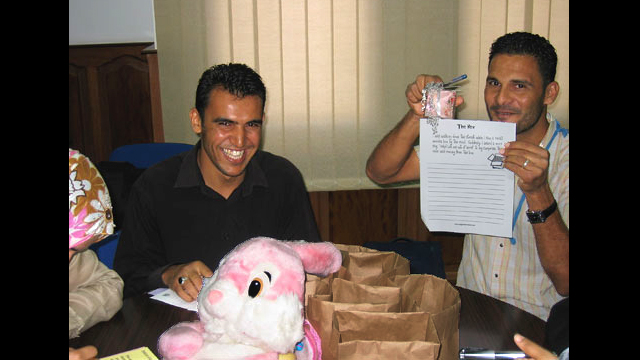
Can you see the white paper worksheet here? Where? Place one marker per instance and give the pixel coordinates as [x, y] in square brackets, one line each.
[170, 297]
[463, 185]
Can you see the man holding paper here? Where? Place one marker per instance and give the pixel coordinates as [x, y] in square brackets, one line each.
[531, 270]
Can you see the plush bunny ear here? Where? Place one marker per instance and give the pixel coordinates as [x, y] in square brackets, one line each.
[320, 258]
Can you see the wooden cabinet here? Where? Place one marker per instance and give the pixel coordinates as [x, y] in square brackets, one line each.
[114, 97]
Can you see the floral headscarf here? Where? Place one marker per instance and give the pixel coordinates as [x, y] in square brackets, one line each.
[90, 210]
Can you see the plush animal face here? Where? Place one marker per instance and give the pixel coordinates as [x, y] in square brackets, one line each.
[256, 295]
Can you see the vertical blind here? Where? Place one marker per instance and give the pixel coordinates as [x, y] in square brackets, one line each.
[336, 71]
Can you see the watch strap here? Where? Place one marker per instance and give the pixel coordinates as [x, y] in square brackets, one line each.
[537, 217]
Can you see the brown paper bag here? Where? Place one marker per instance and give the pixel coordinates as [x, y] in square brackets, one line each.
[439, 298]
[366, 335]
[344, 291]
[363, 274]
[368, 266]
[320, 311]
[315, 285]
[387, 350]
[361, 265]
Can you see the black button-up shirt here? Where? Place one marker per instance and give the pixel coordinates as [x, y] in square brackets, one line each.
[174, 218]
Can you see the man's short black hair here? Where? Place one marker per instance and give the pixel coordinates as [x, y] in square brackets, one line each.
[524, 43]
[238, 79]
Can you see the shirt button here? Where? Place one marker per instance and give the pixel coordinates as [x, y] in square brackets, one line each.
[501, 245]
[495, 275]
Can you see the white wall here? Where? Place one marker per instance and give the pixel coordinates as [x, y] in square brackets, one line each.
[111, 21]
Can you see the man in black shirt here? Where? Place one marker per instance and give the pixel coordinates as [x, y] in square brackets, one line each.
[187, 212]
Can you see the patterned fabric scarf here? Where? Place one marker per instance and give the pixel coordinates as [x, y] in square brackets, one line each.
[90, 210]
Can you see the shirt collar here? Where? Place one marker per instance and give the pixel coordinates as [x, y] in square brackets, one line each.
[550, 129]
[554, 126]
[189, 173]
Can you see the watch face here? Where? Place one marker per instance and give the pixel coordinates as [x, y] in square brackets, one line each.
[535, 217]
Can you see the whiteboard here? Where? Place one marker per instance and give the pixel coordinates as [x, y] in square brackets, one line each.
[111, 21]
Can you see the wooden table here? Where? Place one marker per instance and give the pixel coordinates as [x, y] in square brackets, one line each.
[489, 323]
[484, 322]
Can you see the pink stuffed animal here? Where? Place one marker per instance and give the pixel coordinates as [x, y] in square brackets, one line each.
[253, 305]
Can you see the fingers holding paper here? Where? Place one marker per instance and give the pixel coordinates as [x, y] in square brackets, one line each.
[529, 162]
[186, 279]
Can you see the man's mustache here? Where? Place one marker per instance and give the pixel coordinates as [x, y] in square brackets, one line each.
[498, 108]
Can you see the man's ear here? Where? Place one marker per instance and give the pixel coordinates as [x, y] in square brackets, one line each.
[196, 123]
[551, 93]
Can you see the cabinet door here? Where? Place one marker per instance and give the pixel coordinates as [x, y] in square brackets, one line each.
[109, 98]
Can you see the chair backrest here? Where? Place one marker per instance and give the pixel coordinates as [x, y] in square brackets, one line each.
[144, 155]
[141, 156]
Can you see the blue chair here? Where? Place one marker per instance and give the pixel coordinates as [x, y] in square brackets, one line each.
[106, 249]
[141, 156]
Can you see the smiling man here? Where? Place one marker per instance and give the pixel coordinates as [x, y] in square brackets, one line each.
[188, 211]
[531, 270]
[230, 135]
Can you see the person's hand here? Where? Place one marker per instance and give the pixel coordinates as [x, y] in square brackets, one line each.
[193, 271]
[533, 350]
[88, 352]
[529, 162]
[414, 93]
